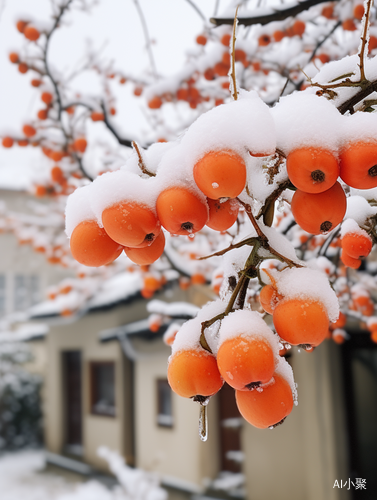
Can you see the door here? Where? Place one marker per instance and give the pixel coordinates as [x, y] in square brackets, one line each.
[72, 382]
[230, 430]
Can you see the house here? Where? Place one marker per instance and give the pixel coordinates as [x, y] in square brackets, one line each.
[105, 384]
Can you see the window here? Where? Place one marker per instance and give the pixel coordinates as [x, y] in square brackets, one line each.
[3, 303]
[26, 291]
[102, 376]
[164, 404]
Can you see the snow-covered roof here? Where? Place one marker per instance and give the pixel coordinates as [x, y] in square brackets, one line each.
[25, 332]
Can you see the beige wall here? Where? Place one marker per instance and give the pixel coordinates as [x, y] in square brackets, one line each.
[97, 430]
[301, 459]
[176, 453]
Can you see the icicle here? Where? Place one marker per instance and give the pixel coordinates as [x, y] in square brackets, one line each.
[203, 421]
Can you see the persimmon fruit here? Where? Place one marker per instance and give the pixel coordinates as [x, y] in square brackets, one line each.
[356, 245]
[147, 255]
[223, 215]
[220, 174]
[80, 144]
[181, 211]
[245, 360]
[7, 142]
[29, 130]
[319, 213]
[31, 33]
[13, 57]
[131, 224]
[301, 321]
[358, 164]
[269, 298]
[312, 170]
[194, 372]
[267, 407]
[92, 246]
[47, 97]
[358, 11]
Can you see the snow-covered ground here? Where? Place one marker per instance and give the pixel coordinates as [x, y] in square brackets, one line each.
[22, 477]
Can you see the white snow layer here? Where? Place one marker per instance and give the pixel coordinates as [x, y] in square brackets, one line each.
[307, 284]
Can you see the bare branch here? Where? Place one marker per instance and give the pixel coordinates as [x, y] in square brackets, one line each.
[277, 15]
[364, 43]
[147, 39]
[197, 10]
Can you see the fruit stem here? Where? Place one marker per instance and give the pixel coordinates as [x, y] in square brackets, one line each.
[233, 58]
[141, 163]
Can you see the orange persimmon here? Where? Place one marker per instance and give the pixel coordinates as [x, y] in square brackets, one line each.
[301, 321]
[80, 144]
[358, 11]
[201, 39]
[358, 164]
[7, 142]
[267, 407]
[29, 130]
[131, 224]
[222, 215]
[194, 372]
[319, 213]
[312, 170]
[357, 245]
[181, 211]
[245, 360]
[269, 298]
[91, 245]
[31, 33]
[147, 255]
[349, 261]
[220, 174]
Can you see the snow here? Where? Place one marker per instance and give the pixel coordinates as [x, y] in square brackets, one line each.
[188, 336]
[22, 477]
[358, 207]
[284, 369]
[174, 309]
[248, 324]
[78, 209]
[24, 332]
[350, 226]
[115, 187]
[307, 284]
[304, 120]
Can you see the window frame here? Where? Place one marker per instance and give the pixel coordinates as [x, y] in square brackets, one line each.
[159, 405]
[93, 382]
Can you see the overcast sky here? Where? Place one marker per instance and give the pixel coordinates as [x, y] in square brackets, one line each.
[112, 24]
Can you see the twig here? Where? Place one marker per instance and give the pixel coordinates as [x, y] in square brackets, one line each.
[141, 163]
[233, 57]
[63, 8]
[248, 241]
[147, 39]
[123, 142]
[325, 245]
[278, 15]
[366, 21]
[364, 92]
[321, 42]
[197, 10]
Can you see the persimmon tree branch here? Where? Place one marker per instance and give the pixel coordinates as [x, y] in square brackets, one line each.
[147, 39]
[276, 15]
[197, 10]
